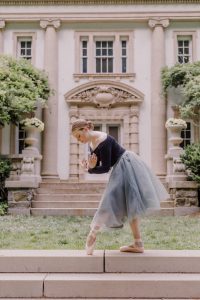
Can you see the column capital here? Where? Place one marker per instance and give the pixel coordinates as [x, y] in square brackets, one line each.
[50, 22]
[2, 24]
[158, 22]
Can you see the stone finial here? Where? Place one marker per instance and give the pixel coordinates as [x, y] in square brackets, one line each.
[2, 24]
[50, 22]
[158, 22]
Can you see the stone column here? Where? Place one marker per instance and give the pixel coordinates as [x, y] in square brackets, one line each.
[50, 138]
[2, 26]
[158, 105]
[74, 147]
[134, 133]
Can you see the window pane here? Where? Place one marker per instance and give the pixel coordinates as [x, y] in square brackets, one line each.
[104, 44]
[124, 65]
[110, 52]
[186, 59]
[186, 50]
[124, 52]
[180, 50]
[98, 65]
[23, 52]
[110, 44]
[84, 52]
[22, 44]
[186, 43]
[104, 65]
[29, 44]
[84, 65]
[98, 52]
[98, 44]
[84, 44]
[114, 131]
[180, 43]
[28, 52]
[104, 52]
[123, 44]
[110, 65]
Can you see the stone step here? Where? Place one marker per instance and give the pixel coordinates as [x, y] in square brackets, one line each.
[65, 204]
[67, 197]
[63, 211]
[51, 261]
[108, 261]
[122, 285]
[89, 212]
[76, 204]
[70, 191]
[44, 285]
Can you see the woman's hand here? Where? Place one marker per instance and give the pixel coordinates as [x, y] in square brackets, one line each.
[92, 161]
[84, 164]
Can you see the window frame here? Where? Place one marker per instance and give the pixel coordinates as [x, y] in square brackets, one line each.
[25, 35]
[192, 35]
[116, 37]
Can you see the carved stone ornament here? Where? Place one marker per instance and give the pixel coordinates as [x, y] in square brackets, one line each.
[50, 22]
[104, 96]
[158, 22]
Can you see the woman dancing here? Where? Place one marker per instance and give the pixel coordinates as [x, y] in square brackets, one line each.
[132, 188]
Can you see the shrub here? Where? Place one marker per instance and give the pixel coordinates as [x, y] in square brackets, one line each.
[191, 159]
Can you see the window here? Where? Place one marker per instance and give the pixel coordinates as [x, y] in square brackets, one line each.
[24, 44]
[124, 56]
[21, 139]
[104, 56]
[84, 56]
[24, 48]
[184, 48]
[186, 136]
[111, 129]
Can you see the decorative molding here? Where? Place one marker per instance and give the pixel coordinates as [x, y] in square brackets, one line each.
[50, 22]
[93, 2]
[93, 76]
[104, 94]
[2, 24]
[158, 22]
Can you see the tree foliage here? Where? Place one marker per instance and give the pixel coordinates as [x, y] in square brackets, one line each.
[22, 87]
[186, 76]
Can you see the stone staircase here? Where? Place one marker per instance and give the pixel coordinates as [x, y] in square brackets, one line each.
[78, 199]
[67, 274]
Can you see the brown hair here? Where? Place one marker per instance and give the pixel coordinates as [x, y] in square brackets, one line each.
[81, 123]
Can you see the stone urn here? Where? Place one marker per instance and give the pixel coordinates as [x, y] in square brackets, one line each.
[174, 127]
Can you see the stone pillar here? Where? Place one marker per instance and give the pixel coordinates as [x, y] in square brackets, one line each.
[2, 26]
[134, 133]
[158, 105]
[50, 138]
[74, 147]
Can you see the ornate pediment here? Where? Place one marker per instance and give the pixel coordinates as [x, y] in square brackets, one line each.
[105, 94]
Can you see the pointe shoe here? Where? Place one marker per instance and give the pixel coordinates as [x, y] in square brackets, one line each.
[137, 247]
[90, 243]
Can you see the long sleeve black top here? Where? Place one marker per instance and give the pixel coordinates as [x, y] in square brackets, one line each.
[107, 152]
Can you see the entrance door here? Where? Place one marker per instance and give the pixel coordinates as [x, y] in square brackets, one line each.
[113, 130]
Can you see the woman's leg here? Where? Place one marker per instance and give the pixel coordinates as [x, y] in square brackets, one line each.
[137, 246]
[91, 240]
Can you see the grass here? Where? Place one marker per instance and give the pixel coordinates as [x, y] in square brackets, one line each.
[20, 232]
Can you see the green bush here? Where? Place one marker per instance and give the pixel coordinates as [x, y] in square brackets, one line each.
[22, 88]
[191, 159]
[5, 168]
[186, 76]
[3, 208]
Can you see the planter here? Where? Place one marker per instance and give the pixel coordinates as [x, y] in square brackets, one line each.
[175, 134]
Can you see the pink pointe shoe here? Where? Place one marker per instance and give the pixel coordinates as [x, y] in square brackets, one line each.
[137, 247]
[90, 242]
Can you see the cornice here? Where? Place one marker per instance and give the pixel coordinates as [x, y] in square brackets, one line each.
[92, 2]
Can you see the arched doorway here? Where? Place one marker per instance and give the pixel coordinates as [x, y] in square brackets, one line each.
[110, 105]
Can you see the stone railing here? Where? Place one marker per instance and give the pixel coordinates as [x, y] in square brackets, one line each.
[184, 193]
[24, 179]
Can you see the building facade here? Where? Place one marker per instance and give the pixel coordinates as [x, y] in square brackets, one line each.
[103, 59]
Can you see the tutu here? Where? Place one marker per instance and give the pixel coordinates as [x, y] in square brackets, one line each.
[131, 191]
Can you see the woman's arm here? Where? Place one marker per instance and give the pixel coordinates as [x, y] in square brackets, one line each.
[105, 158]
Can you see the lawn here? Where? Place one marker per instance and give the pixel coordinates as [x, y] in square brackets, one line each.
[20, 232]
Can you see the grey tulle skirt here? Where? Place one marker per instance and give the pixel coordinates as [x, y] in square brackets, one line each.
[131, 191]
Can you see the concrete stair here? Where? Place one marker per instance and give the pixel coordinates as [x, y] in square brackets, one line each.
[70, 274]
[78, 199]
